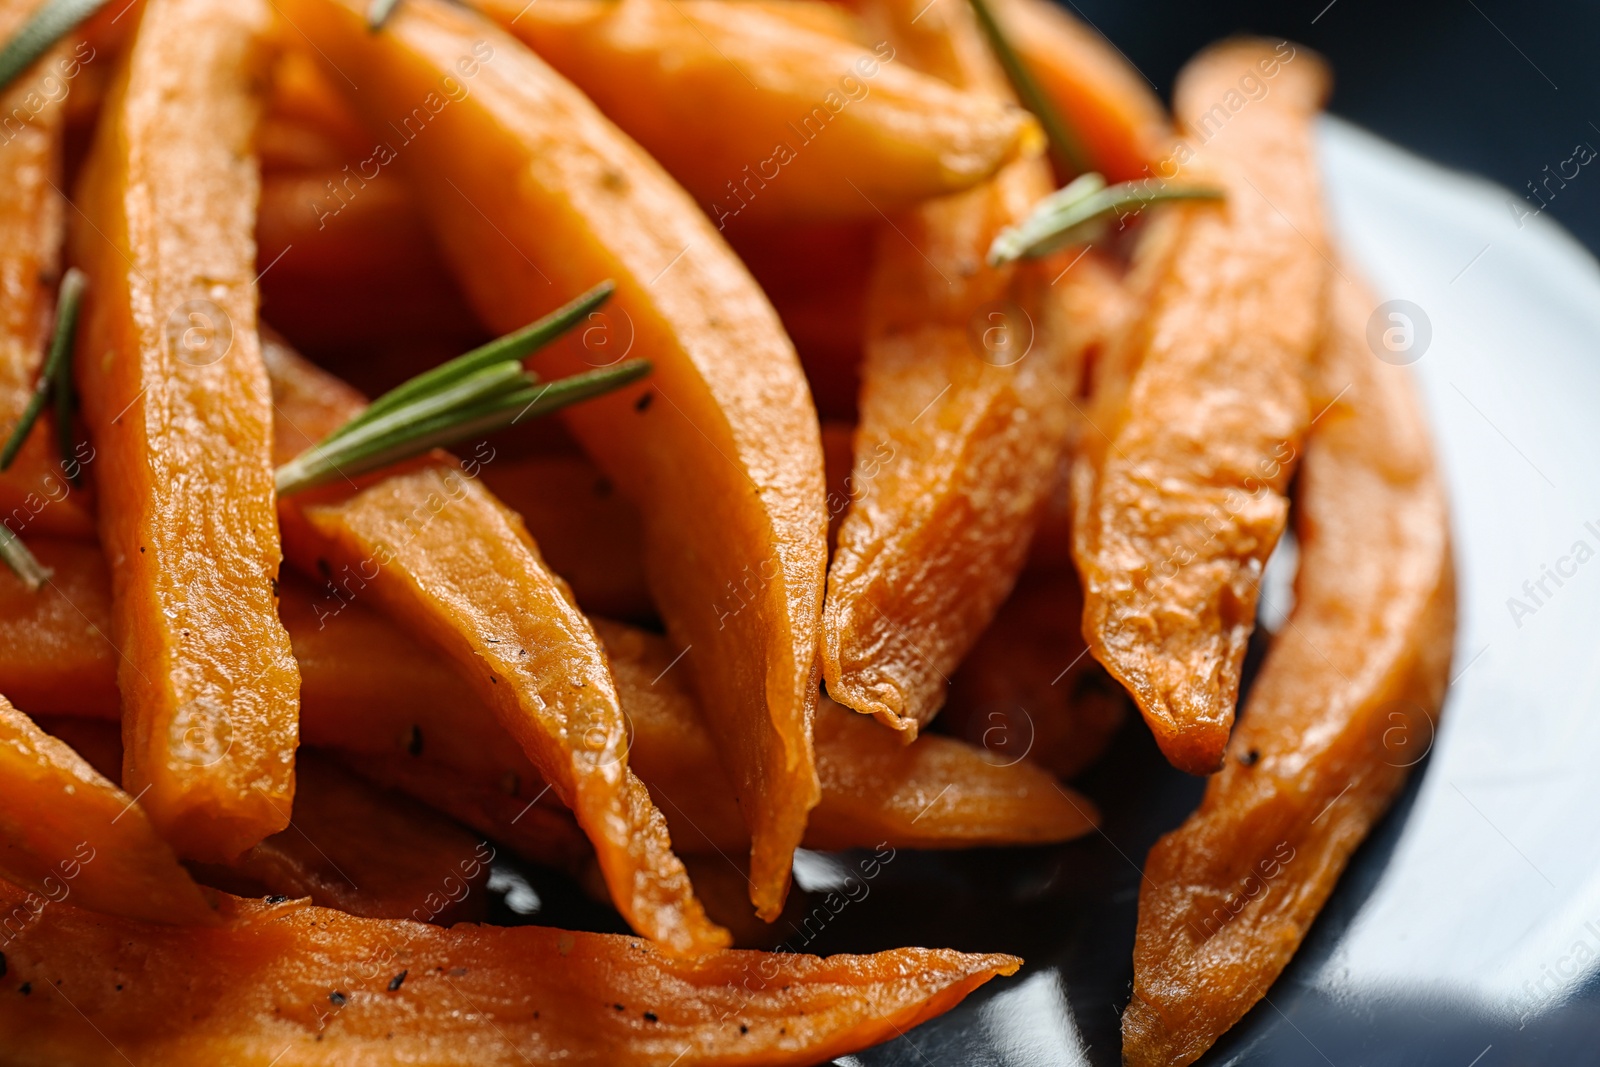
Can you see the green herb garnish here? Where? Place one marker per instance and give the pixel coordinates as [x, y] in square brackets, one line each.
[485, 390]
[56, 377]
[49, 24]
[1079, 213]
[378, 13]
[1068, 150]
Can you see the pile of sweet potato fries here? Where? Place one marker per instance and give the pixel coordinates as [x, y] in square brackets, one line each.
[874, 469]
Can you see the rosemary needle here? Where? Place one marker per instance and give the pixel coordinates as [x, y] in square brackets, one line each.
[1065, 145]
[513, 346]
[1080, 211]
[485, 390]
[57, 371]
[48, 25]
[55, 377]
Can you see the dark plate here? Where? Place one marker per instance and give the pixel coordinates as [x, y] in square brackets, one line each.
[1466, 932]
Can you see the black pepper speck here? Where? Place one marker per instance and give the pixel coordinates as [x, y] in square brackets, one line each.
[643, 403]
[25, 988]
[277, 899]
[650, 1017]
[338, 999]
[397, 981]
[1251, 758]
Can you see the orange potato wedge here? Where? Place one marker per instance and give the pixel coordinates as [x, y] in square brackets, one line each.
[56, 653]
[1103, 98]
[536, 197]
[963, 415]
[808, 126]
[529, 825]
[37, 496]
[1345, 704]
[68, 833]
[365, 851]
[351, 846]
[179, 413]
[293, 985]
[414, 724]
[938, 793]
[436, 550]
[1199, 410]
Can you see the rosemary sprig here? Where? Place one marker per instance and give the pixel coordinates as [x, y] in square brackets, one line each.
[48, 25]
[485, 390]
[378, 13]
[513, 346]
[56, 378]
[57, 374]
[1079, 213]
[1068, 150]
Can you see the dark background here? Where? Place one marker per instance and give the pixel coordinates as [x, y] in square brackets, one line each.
[1500, 87]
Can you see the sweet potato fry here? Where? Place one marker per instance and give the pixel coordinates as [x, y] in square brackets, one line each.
[1107, 103]
[352, 846]
[291, 984]
[56, 654]
[416, 725]
[441, 554]
[36, 496]
[809, 126]
[1344, 705]
[527, 824]
[366, 851]
[1199, 411]
[937, 793]
[67, 833]
[962, 421]
[535, 197]
[179, 412]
